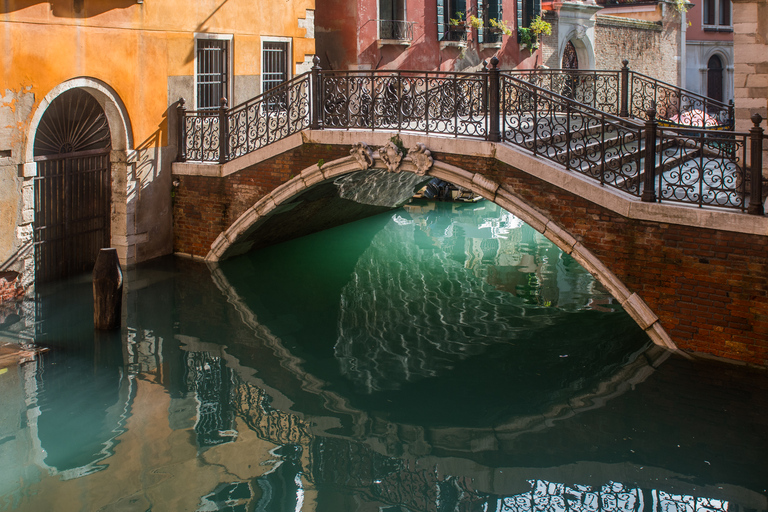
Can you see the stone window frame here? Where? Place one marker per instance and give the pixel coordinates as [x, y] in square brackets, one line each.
[230, 64]
[726, 57]
[381, 17]
[718, 25]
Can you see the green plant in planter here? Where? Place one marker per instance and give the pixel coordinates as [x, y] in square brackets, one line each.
[458, 20]
[501, 26]
[525, 38]
[475, 22]
[539, 26]
[529, 37]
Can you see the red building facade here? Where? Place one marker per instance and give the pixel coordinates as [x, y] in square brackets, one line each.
[435, 35]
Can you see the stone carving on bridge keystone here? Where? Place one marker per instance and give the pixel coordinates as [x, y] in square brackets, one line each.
[392, 156]
[421, 158]
[363, 154]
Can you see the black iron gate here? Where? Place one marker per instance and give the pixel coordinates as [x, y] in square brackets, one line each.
[72, 186]
[72, 205]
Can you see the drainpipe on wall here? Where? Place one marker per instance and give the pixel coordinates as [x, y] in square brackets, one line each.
[683, 48]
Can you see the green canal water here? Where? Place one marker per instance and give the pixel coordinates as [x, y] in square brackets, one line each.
[439, 357]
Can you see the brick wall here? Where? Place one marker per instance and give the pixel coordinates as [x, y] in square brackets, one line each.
[709, 288]
[203, 207]
[650, 47]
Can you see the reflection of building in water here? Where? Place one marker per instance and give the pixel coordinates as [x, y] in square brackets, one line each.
[209, 378]
[612, 497]
[507, 253]
[277, 463]
[435, 289]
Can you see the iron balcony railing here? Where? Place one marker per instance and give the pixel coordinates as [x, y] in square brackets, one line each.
[579, 120]
[398, 30]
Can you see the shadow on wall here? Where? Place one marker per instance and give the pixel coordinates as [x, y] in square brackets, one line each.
[148, 190]
[70, 8]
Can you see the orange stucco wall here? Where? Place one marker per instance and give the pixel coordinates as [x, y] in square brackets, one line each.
[134, 48]
[144, 52]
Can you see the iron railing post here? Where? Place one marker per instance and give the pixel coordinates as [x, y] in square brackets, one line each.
[494, 135]
[181, 119]
[756, 161]
[731, 118]
[314, 95]
[223, 132]
[649, 182]
[624, 97]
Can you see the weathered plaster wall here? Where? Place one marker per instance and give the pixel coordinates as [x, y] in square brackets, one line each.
[144, 54]
[348, 39]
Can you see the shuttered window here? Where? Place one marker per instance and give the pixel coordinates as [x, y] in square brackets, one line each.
[527, 10]
[447, 9]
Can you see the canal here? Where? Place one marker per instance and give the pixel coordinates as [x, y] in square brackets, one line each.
[439, 357]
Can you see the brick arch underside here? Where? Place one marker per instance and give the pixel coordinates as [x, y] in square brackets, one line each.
[492, 190]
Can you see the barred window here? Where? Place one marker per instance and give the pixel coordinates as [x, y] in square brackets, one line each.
[212, 76]
[274, 64]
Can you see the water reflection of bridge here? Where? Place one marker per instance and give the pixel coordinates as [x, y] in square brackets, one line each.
[310, 458]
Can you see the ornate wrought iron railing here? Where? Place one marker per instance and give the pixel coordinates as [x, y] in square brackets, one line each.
[580, 120]
[398, 30]
[220, 136]
[675, 105]
[598, 89]
[591, 142]
[427, 102]
[628, 93]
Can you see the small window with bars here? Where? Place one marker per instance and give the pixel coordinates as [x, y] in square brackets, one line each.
[212, 76]
[274, 71]
[274, 68]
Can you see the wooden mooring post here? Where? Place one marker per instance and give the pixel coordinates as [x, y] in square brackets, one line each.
[107, 290]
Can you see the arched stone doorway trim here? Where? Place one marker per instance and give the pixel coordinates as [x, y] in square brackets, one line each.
[585, 53]
[117, 116]
[280, 199]
[726, 59]
[122, 143]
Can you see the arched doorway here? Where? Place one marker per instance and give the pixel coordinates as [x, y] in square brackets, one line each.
[715, 78]
[72, 186]
[570, 59]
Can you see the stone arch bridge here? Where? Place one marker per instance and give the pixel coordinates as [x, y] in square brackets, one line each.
[694, 277]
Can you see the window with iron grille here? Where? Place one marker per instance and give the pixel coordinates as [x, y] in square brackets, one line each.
[392, 24]
[212, 76]
[488, 10]
[274, 64]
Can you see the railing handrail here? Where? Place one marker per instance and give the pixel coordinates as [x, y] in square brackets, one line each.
[214, 112]
[573, 103]
[401, 72]
[285, 85]
[692, 94]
